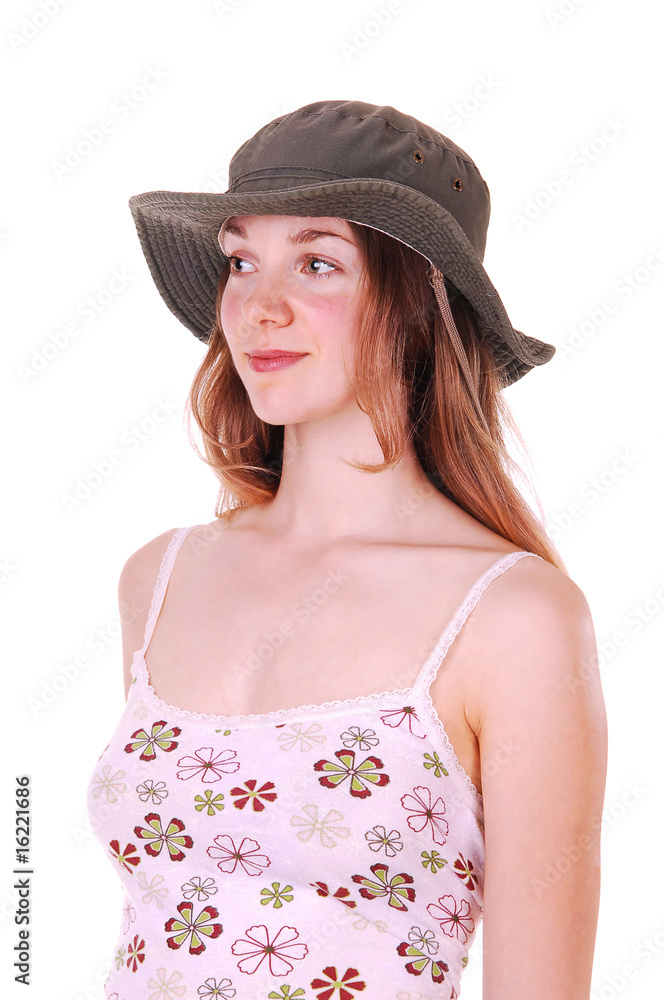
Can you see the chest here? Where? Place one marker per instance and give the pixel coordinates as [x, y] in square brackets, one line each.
[267, 634]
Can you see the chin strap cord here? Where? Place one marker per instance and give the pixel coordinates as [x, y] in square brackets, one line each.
[437, 281]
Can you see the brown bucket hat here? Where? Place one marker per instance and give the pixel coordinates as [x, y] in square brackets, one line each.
[345, 159]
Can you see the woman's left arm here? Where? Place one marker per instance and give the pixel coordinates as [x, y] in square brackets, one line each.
[541, 726]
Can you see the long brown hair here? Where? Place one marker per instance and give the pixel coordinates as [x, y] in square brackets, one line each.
[403, 346]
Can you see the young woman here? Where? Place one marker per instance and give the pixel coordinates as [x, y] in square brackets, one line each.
[369, 715]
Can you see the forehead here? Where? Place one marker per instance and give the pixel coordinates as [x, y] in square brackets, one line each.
[297, 229]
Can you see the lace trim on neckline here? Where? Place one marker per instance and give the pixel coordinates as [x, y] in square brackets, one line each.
[284, 716]
[275, 718]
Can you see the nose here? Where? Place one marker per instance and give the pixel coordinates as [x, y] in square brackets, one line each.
[266, 302]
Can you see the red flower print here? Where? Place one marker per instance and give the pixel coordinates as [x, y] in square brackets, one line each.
[343, 984]
[124, 857]
[396, 716]
[397, 888]
[466, 871]
[453, 917]
[147, 743]
[197, 927]
[135, 953]
[173, 837]
[421, 945]
[230, 856]
[207, 766]
[419, 962]
[280, 952]
[323, 890]
[361, 775]
[250, 793]
[425, 813]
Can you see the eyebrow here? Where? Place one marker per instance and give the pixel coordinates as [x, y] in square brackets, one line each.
[302, 236]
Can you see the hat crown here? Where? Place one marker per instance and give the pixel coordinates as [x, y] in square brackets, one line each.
[342, 140]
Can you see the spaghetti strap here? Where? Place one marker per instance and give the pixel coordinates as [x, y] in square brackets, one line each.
[163, 577]
[432, 664]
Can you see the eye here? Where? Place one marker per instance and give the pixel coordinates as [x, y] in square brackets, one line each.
[312, 259]
[232, 260]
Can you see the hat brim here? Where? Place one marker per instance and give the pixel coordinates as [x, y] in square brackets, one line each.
[178, 233]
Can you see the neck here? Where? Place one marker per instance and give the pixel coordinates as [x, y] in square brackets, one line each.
[322, 499]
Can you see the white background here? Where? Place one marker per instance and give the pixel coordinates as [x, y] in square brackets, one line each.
[536, 82]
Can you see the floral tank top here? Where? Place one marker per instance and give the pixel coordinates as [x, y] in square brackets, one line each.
[325, 852]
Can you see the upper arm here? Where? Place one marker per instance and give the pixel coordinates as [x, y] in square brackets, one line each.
[135, 589]
[541, 727]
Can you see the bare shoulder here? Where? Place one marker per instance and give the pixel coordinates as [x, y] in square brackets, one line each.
[135, 589]
[535, 628]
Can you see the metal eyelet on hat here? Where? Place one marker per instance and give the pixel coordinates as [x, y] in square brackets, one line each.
[457, 184]
[418, 156]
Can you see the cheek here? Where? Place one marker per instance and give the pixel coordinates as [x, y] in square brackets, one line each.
[230, 315]
[336, 317]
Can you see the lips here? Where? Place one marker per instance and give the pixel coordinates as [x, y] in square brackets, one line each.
[275, 354]
[272, 361]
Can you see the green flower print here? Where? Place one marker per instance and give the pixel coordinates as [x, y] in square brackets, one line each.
[432, 762]
[361, 775]
[398, 888]
[186, 925]
[173, 836]
[120, 956]
[284, 993]
[159, 736]
[277, 895]
[433, 860]
[209, 801]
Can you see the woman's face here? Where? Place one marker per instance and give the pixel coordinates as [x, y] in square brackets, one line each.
[294, 286]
